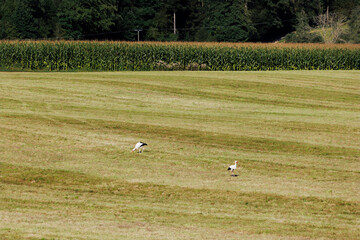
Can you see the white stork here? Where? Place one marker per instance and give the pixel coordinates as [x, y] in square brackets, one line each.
[139, 146]
[232, 168]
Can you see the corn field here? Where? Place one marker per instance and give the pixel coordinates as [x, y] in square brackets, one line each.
[119, 56]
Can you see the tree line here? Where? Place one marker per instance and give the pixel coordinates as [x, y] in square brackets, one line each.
[182, 20]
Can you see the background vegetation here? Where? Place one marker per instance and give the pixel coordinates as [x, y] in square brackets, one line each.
[67, 171]
[196, 20]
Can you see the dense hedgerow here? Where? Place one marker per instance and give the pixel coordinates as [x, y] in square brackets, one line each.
[118, 56]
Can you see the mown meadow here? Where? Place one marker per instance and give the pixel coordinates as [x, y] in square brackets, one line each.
[67, 170]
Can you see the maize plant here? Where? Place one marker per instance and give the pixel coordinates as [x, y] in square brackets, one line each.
[145, 56]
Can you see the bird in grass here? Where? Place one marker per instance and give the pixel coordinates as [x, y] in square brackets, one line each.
[139, 146]
[232, 168]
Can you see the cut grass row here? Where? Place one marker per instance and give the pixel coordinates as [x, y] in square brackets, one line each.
[215, 209]
[66, 170]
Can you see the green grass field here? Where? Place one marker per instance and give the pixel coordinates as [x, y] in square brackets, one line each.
[67, 170]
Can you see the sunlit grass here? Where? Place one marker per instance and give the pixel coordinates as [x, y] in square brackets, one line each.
[67, 171]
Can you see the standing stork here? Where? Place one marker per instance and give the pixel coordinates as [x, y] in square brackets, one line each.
[139, 146]
[232, 168]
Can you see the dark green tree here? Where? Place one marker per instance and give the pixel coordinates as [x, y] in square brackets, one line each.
[228, 21]
[23, 19]
[272, 19]
[44, 17]
[354, 35]
[196, 20]
[17, 21]
[138, 14]
[86, 18]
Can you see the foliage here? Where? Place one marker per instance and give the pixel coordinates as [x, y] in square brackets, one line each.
[303, 32]
[303, 37]
[28, 19]
[355, 25]
[85, 16]
[331, 27]
[196, 20]
[228, 21]
[17, 20]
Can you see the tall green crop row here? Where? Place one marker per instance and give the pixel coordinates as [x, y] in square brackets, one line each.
[118, 56]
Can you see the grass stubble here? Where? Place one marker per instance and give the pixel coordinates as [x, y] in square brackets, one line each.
[66, 170]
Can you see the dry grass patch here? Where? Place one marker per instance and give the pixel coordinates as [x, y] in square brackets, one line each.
[67, 171]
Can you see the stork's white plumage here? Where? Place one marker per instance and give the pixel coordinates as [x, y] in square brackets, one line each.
[232, 167]
[139, 146]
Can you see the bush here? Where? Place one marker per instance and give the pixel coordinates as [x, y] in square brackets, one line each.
[303, 37]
